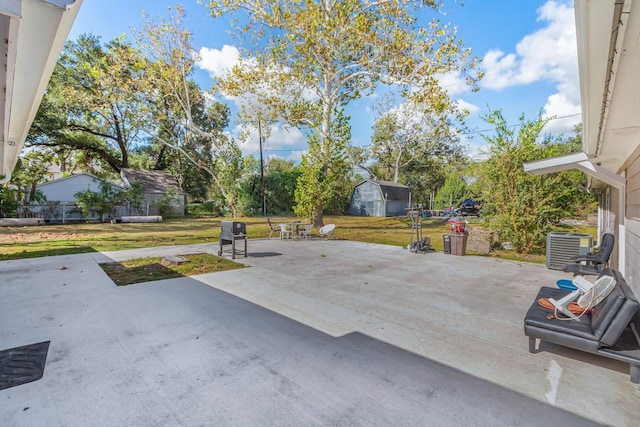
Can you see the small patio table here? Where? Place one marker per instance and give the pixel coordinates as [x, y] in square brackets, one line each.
[294, 227]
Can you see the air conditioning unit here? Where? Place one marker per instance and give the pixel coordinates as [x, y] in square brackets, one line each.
[561, 247]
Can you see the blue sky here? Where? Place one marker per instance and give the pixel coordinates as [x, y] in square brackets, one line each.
[528, 53]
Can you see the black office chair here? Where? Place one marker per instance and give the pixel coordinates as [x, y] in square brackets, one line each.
[592, 264]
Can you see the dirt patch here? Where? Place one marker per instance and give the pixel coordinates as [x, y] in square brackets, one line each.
[36, 237]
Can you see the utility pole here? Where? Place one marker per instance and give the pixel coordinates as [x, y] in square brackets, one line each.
[264, 197]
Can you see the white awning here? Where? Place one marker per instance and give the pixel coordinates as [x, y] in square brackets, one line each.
[34, 32]
[578, 161]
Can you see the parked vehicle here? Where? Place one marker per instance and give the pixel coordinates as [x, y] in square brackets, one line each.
[470, 207]
[448, 212]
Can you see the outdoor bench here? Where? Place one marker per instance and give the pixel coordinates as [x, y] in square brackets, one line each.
[610, 329]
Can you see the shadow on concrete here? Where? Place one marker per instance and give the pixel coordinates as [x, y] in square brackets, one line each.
[263, 254]
[182, 352]
[358, 380]
[258, 367]
[583, 356]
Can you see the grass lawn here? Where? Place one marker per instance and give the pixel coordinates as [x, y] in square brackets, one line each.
[47, 240]
[150, 269]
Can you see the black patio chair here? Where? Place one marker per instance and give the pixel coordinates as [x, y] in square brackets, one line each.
[592, 264]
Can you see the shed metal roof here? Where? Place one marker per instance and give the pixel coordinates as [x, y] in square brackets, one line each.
[152, 181]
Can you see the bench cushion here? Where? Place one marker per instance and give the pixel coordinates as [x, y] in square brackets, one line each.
[625, 312]
[604, 325]
[606, 311]
[537, 317]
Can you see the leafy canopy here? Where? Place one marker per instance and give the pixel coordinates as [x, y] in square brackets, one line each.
[525, 208]
[94, 102]
[314, 57]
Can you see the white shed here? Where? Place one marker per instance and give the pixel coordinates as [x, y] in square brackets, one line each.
[63, 189]
[380, 198]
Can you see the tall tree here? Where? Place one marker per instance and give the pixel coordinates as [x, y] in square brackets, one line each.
[193, 126]
[360, 157]
[405, 135]
[94, 101]
[256, 118]
[174, 147]
[323, 178]
[523, 208]
[338, 51]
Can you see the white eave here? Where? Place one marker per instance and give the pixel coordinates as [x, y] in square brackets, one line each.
[33, 34]
[609, 59]
[575, 161]
[607, 35]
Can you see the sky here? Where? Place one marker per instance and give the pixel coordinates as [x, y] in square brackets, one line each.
[527, 51]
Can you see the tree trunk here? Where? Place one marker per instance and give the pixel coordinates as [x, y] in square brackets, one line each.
[325, 135]
[396, 175]
[32, 192]
[317, 220]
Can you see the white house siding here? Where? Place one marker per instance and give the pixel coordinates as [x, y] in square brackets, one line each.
[63, 190]
[632, 265]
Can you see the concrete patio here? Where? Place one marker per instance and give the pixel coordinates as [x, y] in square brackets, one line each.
[311, 333]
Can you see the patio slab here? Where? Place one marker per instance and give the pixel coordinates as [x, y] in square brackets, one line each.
[311, 333]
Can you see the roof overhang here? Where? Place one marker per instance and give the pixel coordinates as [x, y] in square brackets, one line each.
[607, 34]
[33, 34]
[578, 161]
[608, 62]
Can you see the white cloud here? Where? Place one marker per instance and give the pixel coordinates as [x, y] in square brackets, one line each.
[559, 106]
[464, 105]
[453, 83]
[547, 54]
[218, 62]
[288, 144]
[500, 69]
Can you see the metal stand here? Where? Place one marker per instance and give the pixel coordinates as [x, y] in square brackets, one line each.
[230, 231]
[418, 243]
[416, 216]
[232, 242]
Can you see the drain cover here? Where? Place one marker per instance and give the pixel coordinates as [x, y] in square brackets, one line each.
[21, 365]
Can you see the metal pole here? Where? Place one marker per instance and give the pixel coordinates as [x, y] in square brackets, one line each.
[264, 197]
